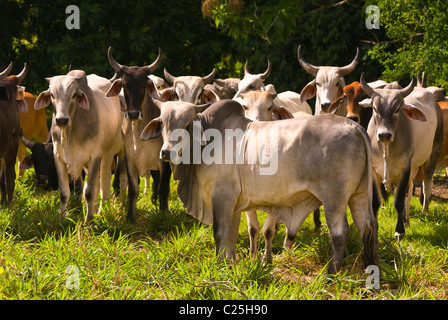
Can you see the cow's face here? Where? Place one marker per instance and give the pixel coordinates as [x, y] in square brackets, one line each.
[328, 82]
[252, 82]
[327, 87]
[175, 116]
[137, 88]
[352, 95]
[388, 107]
[189, 89]
[65, 95]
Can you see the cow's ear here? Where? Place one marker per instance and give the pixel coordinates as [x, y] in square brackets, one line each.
[335, 105]
[26, 162]
[169, 94]
[114, 89]
[23, 106]
[82, 100]
[152, 89]
[366, 103]
[281, 113]
[208, 96]
[43, 100]
[309, 91]
[413, 112]
[152, 130]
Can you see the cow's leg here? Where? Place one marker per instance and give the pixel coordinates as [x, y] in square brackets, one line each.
[120, 170]
[105, 177]
[268, 234]
[10, 177]
[164, 186]
[336, 216]
[225, 223]
[64, 184]
[317, 222]
[408, 199]
[399, 203]
[91, 188]
[253, 227]
[2, 182]
[133, 179]
[155, 174]
[366, 222]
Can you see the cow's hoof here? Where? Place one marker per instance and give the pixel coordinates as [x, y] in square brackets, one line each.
[399, 235]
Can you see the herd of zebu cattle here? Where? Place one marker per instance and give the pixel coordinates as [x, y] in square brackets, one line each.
[364, 141]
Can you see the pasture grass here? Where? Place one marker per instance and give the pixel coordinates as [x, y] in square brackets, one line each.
[170, 255]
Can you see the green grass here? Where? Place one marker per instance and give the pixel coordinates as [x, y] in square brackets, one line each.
[169, 255]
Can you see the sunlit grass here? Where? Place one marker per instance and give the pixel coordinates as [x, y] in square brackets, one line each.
[170, 255]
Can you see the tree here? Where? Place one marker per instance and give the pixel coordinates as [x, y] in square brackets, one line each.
[416, 40]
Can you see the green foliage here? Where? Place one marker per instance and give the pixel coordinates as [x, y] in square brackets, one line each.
[417, 34]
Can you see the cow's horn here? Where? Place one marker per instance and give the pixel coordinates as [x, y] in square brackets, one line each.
[343, 71]
[117, 67]
[209, 78]
[365, 87]
[170, 78]
[6, 71]
[246, 69]
[305, 65]
[25, 141]
[22, 74]
[153, 66]
[266, 74]
[406, 91]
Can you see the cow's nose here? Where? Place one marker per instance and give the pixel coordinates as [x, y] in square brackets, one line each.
[165, 154]
[384, 136]
[62, 122]
[354, 118]
[133, 115]
[325, 106]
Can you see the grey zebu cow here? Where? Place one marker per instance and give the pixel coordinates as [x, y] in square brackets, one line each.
[327, 83]
[189, 88]
[406, 130]
[259, 105]
[85, 132]
[307, 148]
[141, 157]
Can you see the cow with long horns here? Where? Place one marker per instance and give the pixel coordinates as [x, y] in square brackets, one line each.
[142, 157]
[327, 83]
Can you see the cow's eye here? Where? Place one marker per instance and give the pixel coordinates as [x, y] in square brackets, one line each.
[270, 108]
[52, 96]
[318, 84]
[244, 107]
[74, 96]
[398, 110]
[337, 84]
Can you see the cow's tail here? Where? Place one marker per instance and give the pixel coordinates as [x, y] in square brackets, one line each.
[370, 232]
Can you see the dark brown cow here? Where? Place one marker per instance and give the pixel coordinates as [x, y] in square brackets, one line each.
[11, 99]
[142, 157]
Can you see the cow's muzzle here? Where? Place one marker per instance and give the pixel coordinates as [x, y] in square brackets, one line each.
[62, 122]
[168, 155]
[385, 137]
[133, 115]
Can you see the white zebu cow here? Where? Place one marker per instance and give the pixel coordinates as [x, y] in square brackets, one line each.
[406, 130]
[189, 89]
[327, 83]
[218, 193]
[288, 99]
[86, 133]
